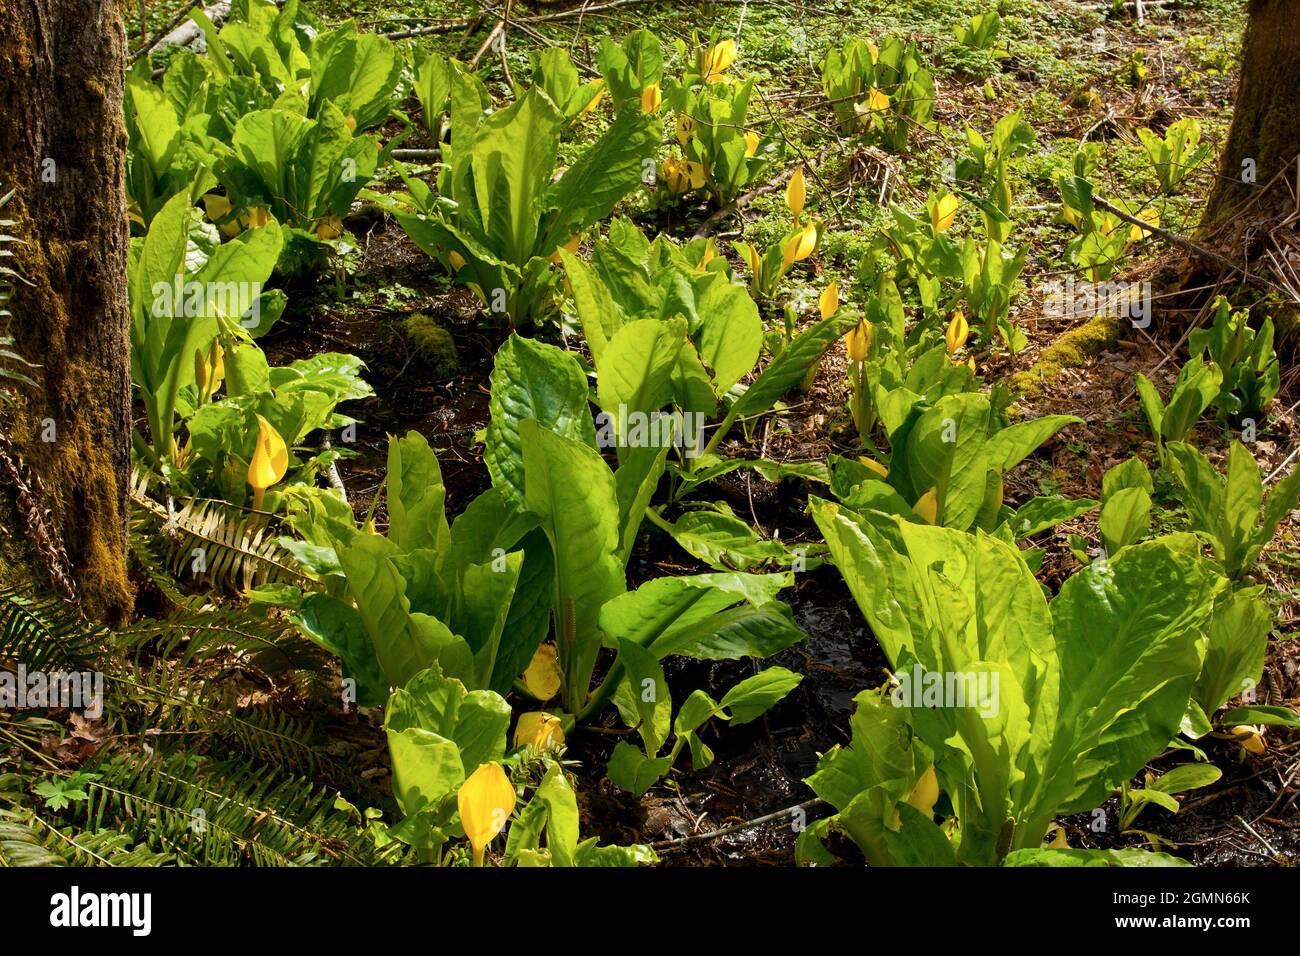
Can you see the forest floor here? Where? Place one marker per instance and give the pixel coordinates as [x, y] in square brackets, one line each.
[1079, 72]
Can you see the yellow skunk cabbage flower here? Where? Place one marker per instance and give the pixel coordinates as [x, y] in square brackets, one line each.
[874, 465]
[456, 259]
[751, 143]
[270, 460]
[539, 730]
[971, 363]
[755, 262]
[350, 122]
[257, 217]
[217, 361]
[927, 507]
[217, 365]
[570, 247]
[796, 194]
[829, 301]
[957, 334]
[651, 97]
[1152, 215]
[877, 102]
[716, 61]
[200, 372]
[209, 370]
[1058, 841]
[595, 100]
[1004, 192]
[709, 254]
[330, 227]
[485, 801]
[926, 792]
[1250, 739]
[800, 245]
[685, 127]
[682, 175]
[943, 212]
[543, 676]
[218, 207]
[858, 342]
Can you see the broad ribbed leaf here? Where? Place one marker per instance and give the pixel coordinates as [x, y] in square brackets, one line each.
[605, 173]
[572, 491]
[532, 380]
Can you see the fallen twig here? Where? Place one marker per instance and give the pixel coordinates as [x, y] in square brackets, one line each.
[741, 202]
[736, 828]
[162, 34]
[1202, 252]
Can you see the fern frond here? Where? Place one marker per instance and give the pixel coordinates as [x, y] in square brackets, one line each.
[218, 544]
[223, 813]
[244, 635]
[28, 839]
[150, 563]
[176, 710]
[46, 633]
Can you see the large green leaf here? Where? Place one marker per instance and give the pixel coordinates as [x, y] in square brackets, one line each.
[1125, 517]
[511, 160]
[730, 333]
[1072, 858]
[789, 367]
[948, 449]
[572, 491]
[636, 480]
[438, 733]
[643, 697]
[529, 620]
[1127, 635]
[724, 542]
[337, 627]
[532, 381]
[1196, 387]
[1237, 638]
[1011, 445]
[405, 642]
[697, 615]
[635, 370]
[416, 496]
[487, 595]
[605, 173]
[756, 695]
[599, 316]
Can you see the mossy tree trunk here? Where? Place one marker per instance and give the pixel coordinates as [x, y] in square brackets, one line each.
[1266, 117]
[62, 148]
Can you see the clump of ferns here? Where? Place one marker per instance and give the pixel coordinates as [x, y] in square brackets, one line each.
[179, 808]
[184, 747]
